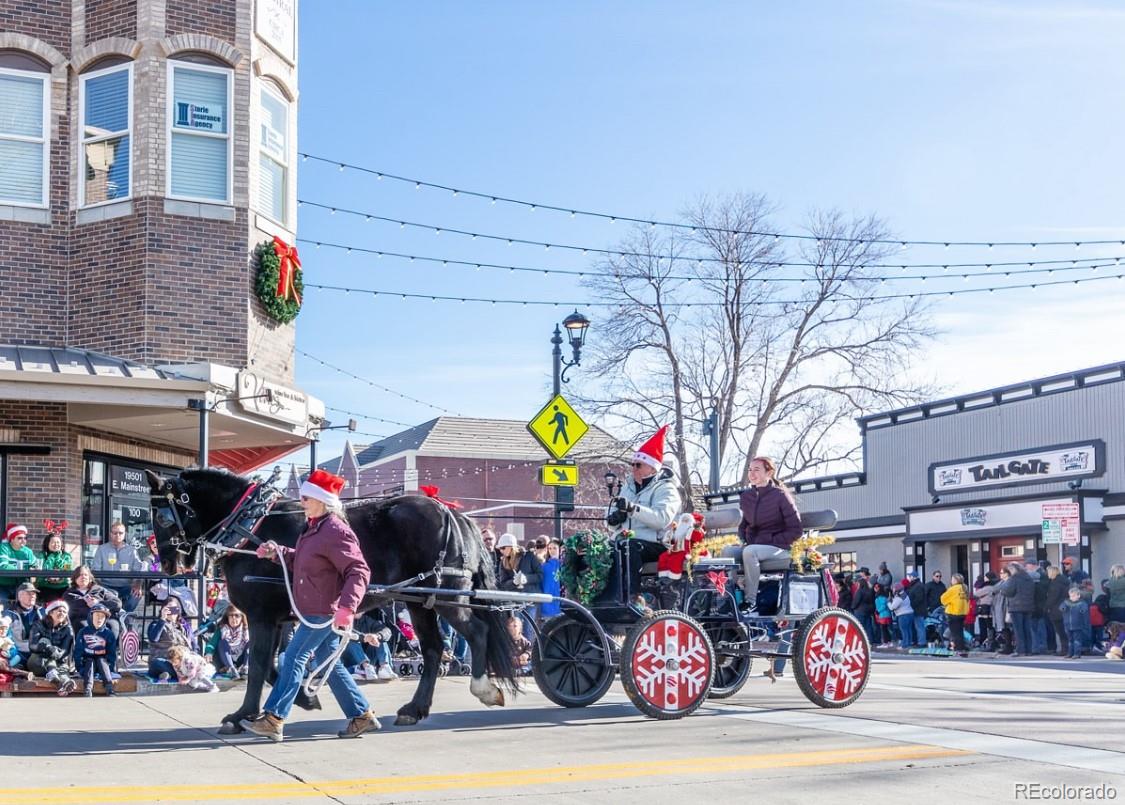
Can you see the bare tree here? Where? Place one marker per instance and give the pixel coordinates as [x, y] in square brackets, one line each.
[786, 354]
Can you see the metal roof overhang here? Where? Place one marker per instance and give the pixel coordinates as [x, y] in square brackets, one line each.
[155, 409]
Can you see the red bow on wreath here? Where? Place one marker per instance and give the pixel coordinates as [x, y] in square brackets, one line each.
[288, 266]
[718, 581]
[432, 492]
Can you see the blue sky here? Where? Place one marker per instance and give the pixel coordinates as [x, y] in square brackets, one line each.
[951, 120]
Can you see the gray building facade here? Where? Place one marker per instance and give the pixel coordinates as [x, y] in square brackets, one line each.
[1034, 470]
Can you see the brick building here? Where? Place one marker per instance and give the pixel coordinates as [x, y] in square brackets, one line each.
[146, 148]
[489, 466]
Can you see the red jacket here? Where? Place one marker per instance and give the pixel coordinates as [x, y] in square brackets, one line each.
[768, 517]
[327, 568]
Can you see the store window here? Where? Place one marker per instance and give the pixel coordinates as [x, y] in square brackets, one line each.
[199, 126]
[273, 155]
[115, 490]
[106, 111]
[843, 562]
[23, 136]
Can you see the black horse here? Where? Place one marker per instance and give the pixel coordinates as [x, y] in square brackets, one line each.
[400, 538]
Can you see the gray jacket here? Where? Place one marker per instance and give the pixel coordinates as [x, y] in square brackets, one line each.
[1020, 592]
[656, 506]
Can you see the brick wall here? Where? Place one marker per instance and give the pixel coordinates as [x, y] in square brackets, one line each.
[48, 20]
[214, 17]
[33, 268]
[106, 18]
[38, 486]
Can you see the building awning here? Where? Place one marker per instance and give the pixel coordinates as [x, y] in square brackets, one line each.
[160, 405]
[1019, 516]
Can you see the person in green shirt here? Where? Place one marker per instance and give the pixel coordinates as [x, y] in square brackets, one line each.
[54, 557]
[15, 555]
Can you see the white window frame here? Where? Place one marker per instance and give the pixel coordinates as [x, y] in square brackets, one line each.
[45, 78]
[83, 141]
[169, 129]
[265, 86]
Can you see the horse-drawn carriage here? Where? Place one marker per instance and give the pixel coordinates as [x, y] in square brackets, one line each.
[670, 661]
[430, 557]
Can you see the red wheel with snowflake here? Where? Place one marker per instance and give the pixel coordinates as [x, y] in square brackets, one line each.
[831, 658]
[667, 665]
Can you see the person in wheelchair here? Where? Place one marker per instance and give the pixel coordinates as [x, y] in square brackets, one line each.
[649, 502]
[769, 526]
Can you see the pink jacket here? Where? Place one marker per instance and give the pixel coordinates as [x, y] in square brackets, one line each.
[327, 568]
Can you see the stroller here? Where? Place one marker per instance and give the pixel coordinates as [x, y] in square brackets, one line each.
[937, 629]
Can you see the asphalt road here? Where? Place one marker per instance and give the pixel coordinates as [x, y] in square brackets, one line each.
[925, 730]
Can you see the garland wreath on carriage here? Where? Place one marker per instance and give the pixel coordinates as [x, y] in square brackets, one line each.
[277, 282]
[593, 549]
[804, 554]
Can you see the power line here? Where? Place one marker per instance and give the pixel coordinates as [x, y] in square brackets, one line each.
[572, 303]
[373, 384]
[369, 416]
[575, 211]
[1078, 264]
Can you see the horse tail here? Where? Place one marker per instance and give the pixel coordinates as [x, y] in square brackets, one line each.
[498, 647]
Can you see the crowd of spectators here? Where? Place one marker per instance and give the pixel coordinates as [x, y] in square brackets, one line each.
[1026, 609]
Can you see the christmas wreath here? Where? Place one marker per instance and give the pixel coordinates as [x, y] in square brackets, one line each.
[586, 564]
[278, 282]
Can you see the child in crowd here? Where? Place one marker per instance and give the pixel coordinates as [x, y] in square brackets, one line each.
[229, 646]
[192, 670]
[883, 617]
[95, 650]
[163, 636]
[1115, 645]
[52, 647]
[521, 646]
[1076, 621]
[9, 653]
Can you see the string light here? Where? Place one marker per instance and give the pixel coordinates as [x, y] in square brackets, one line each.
[698, 261]
[371, 383]
[857, 297]
[613, 218]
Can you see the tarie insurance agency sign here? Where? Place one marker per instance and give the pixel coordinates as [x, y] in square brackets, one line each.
[1060, 462]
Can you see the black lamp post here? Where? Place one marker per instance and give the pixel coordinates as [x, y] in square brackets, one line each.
[351, 426]
[576, 326]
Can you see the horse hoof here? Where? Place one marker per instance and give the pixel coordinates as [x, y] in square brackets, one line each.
[230, 729]
[404, 720]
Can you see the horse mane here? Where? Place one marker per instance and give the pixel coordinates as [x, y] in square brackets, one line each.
[213, 490]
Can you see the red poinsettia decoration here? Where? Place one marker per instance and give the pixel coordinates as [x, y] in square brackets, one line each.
[432, 492]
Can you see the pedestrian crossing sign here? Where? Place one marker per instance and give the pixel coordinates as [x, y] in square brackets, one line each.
[557, 427]
[558, 475]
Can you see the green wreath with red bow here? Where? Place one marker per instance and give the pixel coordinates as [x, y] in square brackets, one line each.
[278, 282]
[586, 564]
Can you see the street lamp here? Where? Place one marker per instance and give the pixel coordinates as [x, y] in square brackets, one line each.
[576, 326]
[351, 426]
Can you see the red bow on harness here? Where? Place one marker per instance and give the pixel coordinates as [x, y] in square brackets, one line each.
[719, 580]
[432, 492]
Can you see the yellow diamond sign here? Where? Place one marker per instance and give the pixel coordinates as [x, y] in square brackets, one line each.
[557, 427]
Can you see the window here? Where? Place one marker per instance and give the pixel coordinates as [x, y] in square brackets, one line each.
[273, 156]
[23, 138]
[199, 126]
[842, 562]
[106, 104]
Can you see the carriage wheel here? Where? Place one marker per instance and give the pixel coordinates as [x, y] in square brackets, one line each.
[831, 658]
[667, 665]
[732, 668]
[569, 663]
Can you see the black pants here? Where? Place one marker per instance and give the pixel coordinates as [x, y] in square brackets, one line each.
[99, 665]
[1060, 634]
[957, 631]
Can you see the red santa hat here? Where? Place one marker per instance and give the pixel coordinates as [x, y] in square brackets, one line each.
[323, 486]
[652, 451]
[14, 530]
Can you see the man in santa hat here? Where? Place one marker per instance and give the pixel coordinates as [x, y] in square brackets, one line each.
[650, 501]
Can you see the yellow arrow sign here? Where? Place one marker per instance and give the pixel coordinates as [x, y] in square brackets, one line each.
[557, 427]
[558, 475]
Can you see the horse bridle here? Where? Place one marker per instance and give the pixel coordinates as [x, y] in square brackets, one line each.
[170, 502]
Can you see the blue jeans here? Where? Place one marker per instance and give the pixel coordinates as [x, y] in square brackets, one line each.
[1038, 633]
[1077, 639]
[1021, 632]
[906, 630]
[308, 643]
[920, 629]
[453, 640]
[357, 653]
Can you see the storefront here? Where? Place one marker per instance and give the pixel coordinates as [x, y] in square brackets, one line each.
[1033, 471]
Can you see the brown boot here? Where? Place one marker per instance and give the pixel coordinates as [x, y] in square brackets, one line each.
[366, 722]
[268, 726]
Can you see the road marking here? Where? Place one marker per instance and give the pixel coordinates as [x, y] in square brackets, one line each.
[1023, 697]
[984, 743]
[521, 778]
